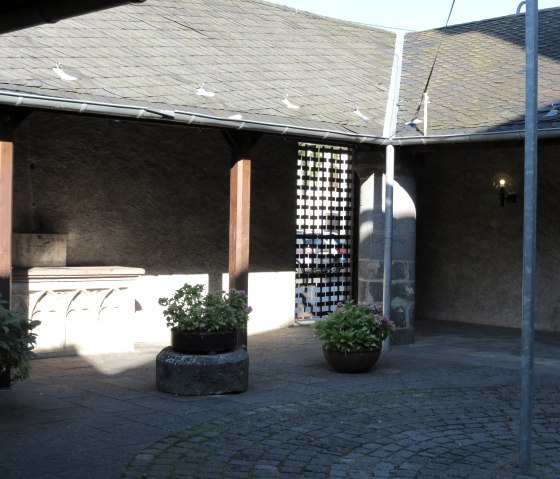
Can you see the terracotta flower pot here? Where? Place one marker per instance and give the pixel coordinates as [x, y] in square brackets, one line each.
[358, 361]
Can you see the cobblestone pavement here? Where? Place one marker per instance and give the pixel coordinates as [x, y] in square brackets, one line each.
[442, 433]
[444, 407]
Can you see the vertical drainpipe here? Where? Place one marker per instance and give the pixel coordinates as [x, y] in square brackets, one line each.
[389, 129]
[388, 252]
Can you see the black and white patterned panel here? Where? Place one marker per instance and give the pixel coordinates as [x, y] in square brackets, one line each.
[324, 230]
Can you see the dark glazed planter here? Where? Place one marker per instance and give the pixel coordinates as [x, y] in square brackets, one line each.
[5, 378]
[359, 361]
[189, 342]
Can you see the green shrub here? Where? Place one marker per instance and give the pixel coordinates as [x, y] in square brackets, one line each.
[354, 326]
[17, 340]
[189, 309]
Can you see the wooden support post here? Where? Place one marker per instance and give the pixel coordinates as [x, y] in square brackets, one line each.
[9, 119]
[6, 180]
[239, 224]
[240, 213]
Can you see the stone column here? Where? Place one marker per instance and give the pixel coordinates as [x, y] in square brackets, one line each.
[370, 167]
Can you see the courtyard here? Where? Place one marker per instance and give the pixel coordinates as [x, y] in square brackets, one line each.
[445, 406]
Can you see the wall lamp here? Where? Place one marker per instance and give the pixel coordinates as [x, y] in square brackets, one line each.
[505, 185]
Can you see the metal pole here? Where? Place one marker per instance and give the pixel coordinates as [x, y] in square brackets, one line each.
[388, 252]
[529, 233]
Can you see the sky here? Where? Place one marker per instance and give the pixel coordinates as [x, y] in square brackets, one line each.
[407, 15]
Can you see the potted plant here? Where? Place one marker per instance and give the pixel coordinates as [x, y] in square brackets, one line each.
[17, 340]
[352, 336]
[205, 323]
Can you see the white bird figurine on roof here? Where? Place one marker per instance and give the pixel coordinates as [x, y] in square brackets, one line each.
[413, 122]
[62, 74]
[360, 114]
[202, 92]
[289, 104]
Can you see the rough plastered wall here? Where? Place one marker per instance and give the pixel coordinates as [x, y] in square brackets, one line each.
[469, 248]
[157, 197]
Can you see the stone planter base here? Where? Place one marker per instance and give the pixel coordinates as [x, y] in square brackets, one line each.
[199, 375]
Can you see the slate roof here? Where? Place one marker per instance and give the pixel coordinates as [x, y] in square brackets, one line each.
[478, 83]
[249, 53]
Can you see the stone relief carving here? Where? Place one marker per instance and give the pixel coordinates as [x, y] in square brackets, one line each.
[83, 320]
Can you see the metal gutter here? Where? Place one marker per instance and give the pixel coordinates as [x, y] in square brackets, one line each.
[134, 112]
[278, 128]
[518, 135]
[28, 100]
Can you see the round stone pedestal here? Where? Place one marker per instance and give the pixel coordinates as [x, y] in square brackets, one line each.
[202, 374]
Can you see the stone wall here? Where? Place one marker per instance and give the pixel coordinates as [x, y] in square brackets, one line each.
[155, 197]
[370, 167]
[469, 248]
[457, 253]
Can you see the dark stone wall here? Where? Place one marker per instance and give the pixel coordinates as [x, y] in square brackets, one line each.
[150, 196]
[469, 248]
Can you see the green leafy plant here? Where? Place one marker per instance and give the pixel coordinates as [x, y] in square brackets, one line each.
[17, 340]
[354, 326]
[189, 309]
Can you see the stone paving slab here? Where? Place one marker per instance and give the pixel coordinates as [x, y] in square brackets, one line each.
[442, 433]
